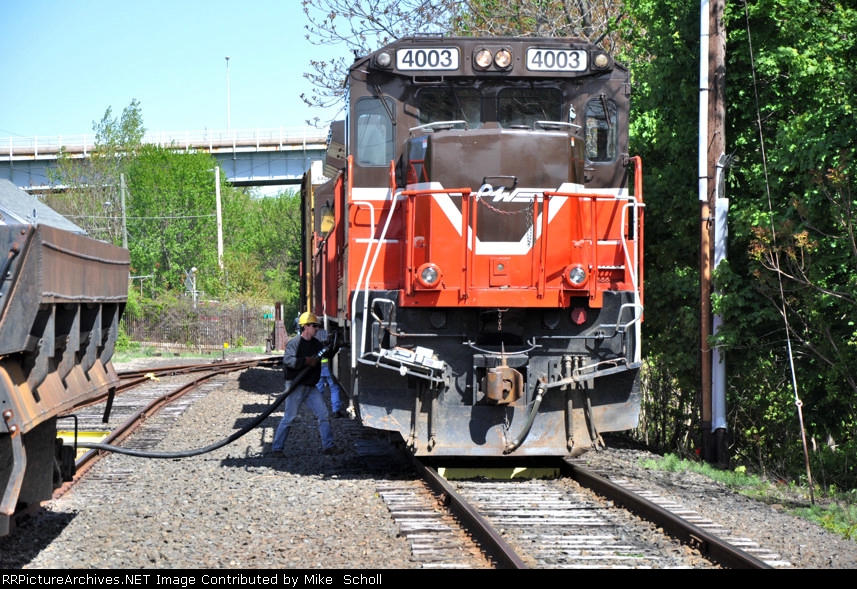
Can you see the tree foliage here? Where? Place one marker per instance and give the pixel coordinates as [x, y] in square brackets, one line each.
[789, 82]
[593, 20]
[171, 216]
[362, 26]
[262, 241]
[662, 40]
[793, 120]
[89, 188]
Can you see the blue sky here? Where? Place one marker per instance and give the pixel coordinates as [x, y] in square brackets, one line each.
[62, 64]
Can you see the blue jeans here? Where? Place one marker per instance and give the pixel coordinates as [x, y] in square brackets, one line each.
[294, 401]
[327, 379]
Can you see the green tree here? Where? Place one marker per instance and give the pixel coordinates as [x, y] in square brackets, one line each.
[662, 40]
[795, 223]
[90, 187]
[791, 222]
[262, 244]
[171, 218]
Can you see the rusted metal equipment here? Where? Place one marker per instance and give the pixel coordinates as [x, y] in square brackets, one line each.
[61, 297]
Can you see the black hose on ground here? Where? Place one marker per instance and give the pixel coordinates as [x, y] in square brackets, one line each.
[246, 429]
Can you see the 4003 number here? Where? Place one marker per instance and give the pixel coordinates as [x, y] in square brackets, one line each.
[436, 58]
[556, 60]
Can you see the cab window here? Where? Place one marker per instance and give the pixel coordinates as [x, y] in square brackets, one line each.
[450, 104]
[602, 134]
[374, 132]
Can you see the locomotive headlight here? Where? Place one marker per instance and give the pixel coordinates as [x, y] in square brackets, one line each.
[483, 58]
[575, 275]
[428, 275]
[601, 60]
[503, 59]
[384, 59]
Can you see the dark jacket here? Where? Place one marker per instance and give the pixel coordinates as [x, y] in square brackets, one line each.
[294, 359]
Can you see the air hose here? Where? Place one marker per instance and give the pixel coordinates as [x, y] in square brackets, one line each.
[246, 429]
[515, 444]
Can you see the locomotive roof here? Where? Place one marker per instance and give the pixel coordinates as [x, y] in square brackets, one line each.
[467, 45]
[491, 40]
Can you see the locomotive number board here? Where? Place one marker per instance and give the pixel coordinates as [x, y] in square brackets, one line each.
[431, 58]
[556, 60]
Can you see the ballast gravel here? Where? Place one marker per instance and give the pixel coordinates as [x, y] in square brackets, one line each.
[234, 508]
[239, 508]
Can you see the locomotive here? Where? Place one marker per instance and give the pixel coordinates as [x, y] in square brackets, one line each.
[478, 246]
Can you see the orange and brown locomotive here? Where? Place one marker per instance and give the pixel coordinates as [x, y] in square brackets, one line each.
[478, 247]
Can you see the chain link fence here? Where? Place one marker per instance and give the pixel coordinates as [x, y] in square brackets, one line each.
[200, 326]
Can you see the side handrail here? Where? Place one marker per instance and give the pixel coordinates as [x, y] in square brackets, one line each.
[358, 204]
[639, 209]
[378, 243]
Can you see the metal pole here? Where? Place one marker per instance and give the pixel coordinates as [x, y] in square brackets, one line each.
[704, 234]
[712, 53]
[228, 106]
[219, 217]
[124, 224]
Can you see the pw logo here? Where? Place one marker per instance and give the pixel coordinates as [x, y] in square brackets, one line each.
[487, 192]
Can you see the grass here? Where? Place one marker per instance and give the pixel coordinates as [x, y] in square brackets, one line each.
[834, 511]
[139, 352]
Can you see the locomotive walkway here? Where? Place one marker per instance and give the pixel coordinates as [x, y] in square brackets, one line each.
[249, 157]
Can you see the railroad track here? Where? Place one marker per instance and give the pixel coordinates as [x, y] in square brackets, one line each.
[168, 390]
[550, 524]
[516, 524]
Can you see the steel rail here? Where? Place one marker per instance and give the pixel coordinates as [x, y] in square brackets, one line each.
[188, 368]
[125, 429]
[709, 545]
[494, 546]
[134, 378]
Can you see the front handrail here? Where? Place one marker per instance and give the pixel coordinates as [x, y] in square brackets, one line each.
[410, 211]
[631, 213]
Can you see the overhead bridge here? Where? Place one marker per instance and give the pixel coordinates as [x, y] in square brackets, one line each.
[248, 157]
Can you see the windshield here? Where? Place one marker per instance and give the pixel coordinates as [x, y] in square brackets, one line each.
[523, 107]
[450, 104]
[510, 107]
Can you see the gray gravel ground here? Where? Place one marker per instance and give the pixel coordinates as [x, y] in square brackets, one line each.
[225, 509]
[804, 544]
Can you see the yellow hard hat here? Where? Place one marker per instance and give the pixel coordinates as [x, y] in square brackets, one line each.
[307, 318]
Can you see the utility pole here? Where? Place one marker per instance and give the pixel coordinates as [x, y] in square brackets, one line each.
[712, 144]
[124, 223]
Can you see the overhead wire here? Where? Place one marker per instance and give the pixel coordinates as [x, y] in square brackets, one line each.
[776, 256]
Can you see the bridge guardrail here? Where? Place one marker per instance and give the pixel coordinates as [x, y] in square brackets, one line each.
[49, 146]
